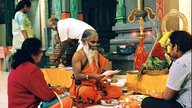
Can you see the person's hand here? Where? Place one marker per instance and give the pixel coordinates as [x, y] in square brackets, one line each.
[54, 59]
[158, 95]
[59, 90]
[57, 60]
[62, 90]
[98, 76]
[111, 72]
[106, 77]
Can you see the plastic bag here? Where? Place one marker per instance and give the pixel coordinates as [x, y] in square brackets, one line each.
[140, 55]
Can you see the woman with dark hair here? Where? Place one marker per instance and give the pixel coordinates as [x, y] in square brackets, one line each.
[177, 93]
[21, 28]
[26, 84]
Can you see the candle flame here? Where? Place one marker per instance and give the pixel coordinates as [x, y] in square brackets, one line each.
[127, 100]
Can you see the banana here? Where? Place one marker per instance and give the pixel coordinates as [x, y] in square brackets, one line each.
[163, 40]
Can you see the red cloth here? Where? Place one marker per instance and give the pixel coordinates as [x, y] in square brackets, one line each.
[88, 89]
[140, 55]
[158, 51]
[27, 87]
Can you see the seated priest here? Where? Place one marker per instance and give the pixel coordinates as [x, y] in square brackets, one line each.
[88, 65]
[177, 93]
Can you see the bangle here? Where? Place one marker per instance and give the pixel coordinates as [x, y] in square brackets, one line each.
[86, 77]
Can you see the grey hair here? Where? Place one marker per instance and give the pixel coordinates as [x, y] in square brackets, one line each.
[88, 33]
[52, 20]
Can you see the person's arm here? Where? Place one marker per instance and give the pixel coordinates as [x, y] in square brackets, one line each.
[62, 30]
[169, 93]
[38, 86]
[175, 80]
[22, 22]
[76, 64]
[25, 35]
[61, 52]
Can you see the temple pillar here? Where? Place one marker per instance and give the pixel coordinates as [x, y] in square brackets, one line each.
[121, 12]
[74, 9]
[9, 9]
[58, 9]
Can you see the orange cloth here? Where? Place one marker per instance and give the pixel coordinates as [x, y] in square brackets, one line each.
[67, 103]
[89, 90]
[148, 84]
[58, 76]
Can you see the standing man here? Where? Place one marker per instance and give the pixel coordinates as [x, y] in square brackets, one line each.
[177, 93]
[70, 31]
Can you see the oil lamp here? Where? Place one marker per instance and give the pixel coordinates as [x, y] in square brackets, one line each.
[139, 14]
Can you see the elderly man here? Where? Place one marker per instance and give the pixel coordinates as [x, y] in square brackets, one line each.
[88, 65]
[70, 31]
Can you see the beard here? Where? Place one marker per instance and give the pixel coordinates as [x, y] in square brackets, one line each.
[92, 55]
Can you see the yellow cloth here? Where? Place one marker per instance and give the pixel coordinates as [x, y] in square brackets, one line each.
[148, 84]
[58, 77]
